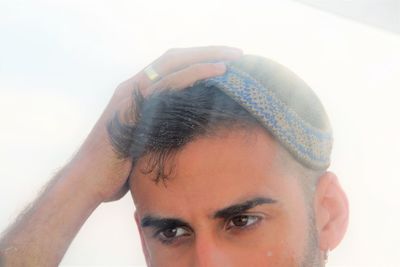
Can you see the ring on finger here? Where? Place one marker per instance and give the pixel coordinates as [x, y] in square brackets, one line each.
[151, 73]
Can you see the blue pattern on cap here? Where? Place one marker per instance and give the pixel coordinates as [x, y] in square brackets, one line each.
[310, 145]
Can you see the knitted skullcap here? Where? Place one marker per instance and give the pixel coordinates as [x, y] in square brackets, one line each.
[283, 103]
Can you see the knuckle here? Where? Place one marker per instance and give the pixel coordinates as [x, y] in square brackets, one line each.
[121, 89]
[125, 88]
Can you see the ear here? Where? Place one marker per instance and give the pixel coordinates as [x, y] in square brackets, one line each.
[143, 242]
[331, 211]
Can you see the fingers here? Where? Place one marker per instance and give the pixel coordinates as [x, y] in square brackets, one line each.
[178, 69]
[175, 60]
[187, 77]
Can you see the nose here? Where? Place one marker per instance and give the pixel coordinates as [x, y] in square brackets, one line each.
[209, 252]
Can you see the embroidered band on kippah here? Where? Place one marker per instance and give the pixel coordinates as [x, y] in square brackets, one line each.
[310, 145]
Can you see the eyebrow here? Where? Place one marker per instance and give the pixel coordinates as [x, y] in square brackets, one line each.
[225, 213]
[236, 209]
[158, 222]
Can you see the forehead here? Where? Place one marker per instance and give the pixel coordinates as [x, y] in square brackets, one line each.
[212, 172]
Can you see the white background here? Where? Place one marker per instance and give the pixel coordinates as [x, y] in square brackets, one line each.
[61, 60]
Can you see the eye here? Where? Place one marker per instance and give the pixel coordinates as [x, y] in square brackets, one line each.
[169, 235]
[242, 221]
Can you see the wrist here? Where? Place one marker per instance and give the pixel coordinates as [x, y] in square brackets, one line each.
[99, 173]
[76, 180]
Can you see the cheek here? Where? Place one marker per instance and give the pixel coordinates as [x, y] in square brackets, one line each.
[281, 243]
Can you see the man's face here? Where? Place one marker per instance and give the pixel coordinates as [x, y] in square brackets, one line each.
[229, 202]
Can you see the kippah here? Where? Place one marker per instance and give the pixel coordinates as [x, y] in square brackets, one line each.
[283, 104]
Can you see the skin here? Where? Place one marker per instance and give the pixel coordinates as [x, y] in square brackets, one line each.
[194, 218]
[42, 233]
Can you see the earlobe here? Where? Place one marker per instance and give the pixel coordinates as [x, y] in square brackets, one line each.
[331, 211]
[142, 240]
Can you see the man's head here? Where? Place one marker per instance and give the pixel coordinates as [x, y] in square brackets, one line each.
[218, 181]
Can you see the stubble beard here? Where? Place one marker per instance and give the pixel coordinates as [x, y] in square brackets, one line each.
[311, 254]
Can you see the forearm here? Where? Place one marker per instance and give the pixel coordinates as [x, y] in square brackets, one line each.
[43, 233]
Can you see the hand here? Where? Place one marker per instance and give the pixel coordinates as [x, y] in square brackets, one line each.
[105, 174]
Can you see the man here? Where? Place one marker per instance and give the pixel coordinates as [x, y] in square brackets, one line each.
[226, 162]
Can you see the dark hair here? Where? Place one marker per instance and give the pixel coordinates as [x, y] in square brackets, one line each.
[165, 121]
[160, 125]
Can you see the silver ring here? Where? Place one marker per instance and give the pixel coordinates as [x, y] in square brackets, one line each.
[151, 73]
